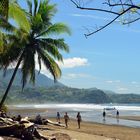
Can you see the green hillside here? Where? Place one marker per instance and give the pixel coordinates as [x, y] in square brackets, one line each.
[46, 91]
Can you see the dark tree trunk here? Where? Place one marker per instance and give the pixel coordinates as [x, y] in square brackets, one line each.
[11, 81]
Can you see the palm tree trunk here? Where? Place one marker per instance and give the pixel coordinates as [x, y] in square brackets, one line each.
[11, 81]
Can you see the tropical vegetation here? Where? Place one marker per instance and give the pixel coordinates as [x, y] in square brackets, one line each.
[22, 47]
[46, 91]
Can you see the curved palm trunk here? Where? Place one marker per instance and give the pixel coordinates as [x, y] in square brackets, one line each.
[11, 81]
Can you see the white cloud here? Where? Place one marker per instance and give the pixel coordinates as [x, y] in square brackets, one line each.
[73, 62]
[93, 17]
[121, 89]
[67, 63]
[90, 16]
[75, 76]
[109, 81]
[115, 81]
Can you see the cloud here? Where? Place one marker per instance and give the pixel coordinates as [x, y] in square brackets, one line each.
[67, 63]
[122, 89]
[93, 17]
[89, 16]
[75, 76]
[73, 62]
[110, 81]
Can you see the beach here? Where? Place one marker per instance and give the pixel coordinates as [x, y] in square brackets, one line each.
[90, 128]
[92, 131]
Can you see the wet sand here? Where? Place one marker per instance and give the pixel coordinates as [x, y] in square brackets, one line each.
[89, 130]
[93, 131]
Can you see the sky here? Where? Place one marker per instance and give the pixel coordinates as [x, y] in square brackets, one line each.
[107, 60]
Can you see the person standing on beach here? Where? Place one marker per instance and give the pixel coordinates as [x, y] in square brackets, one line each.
[104, 114]
[66, 118]
[79, 119]
[117, 114]
[58, 117]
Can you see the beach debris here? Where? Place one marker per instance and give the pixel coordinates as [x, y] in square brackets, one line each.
[24, 129]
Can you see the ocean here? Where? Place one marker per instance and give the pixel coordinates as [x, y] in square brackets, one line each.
[89, 112]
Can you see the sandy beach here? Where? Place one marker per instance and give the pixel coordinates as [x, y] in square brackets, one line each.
[92, 131]
[88, 130]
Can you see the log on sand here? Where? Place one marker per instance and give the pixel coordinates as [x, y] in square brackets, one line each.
[24, 130]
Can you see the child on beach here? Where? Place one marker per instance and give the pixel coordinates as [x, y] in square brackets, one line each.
[79, 119]
[66, 118]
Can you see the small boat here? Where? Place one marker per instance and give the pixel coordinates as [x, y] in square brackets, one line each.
[109, 108]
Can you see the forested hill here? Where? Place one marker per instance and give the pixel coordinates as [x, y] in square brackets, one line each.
[46, 91]
[41, 80]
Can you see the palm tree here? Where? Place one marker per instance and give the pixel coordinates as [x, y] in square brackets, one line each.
[22, 47]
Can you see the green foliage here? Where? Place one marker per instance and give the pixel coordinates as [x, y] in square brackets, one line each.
[46, 91]
[63, 94]
[15, 12]
[36, 42]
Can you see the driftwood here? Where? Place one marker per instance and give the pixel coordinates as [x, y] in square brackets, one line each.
[47, 121]
[24, 130]
[55, 123]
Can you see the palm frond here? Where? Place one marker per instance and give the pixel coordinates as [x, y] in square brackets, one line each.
[47, 11]
[37, 23]
[35, 7]
[29, 3]
[50, 64]
[19, 16]
[1, 42]
[9, 54]
[55, 29]
[5, 26]
[58, 43]
[28, 69]
[51, 49]
[39, 62]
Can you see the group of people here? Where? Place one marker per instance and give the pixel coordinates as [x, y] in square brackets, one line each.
[66, 118]
[104, 114]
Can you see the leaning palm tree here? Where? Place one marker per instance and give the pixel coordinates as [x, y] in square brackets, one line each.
[22, 47]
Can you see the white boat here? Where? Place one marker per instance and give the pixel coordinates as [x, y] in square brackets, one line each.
[109, 108]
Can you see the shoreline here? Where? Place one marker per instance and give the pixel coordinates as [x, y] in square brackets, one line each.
[89, 130]
[93, 131]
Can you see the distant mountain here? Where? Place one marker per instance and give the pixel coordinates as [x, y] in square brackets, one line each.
[41, 80]
[109, 92]
[46, 91]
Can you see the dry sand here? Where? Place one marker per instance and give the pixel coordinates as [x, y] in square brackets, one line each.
[89, 130]
[93, 131]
